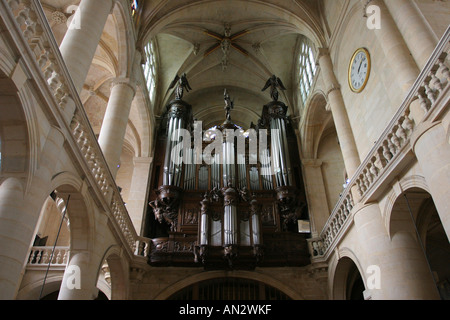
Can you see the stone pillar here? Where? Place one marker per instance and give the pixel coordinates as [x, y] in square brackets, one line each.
[115, 122]
[430, 144]
[395, 49]
[81, 40]
[137, 201]
[19, 215]
[79, 281]
[318, 204]
[13, 245]
[403, 270]
[418, 36]
[340, 116]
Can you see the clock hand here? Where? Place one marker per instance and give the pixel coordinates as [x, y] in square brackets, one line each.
[360, 64]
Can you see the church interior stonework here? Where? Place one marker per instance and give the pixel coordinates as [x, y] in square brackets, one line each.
[224, 150]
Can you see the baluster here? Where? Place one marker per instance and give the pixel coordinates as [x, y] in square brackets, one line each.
[401, 133]
[372, 168]
[391, 146]
[386, 153]
[58, 257]
[43, 257]
[436, 84]
[396, 142]
[380, 159]
[359, 187]
[365, 180]
[408, 123]
[31, 257]
[430, 93]
[66, 255]
[444, 70]
[368, 174]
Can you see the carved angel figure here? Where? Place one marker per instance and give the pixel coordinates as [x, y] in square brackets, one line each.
[180, 84]
[274, 83]
[229, 105]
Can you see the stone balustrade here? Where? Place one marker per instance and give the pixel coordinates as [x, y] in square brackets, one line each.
[40, 256]
[32, 24]
[378, 167]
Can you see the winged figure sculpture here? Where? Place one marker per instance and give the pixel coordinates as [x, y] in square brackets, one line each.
[180, 84]
[274, 83]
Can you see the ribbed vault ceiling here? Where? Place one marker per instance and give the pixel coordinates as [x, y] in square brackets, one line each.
[188, 35]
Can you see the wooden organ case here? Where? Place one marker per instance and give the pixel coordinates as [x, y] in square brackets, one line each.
[233, 213]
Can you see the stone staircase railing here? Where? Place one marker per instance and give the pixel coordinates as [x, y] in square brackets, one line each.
[27, 20]
[40, 256]
[383, 160]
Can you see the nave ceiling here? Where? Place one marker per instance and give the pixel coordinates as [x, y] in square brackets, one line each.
[265, 37]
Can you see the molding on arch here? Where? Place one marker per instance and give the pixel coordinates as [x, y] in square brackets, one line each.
[336, 262]
[398, 188]
[32, 290]
[264, 278]
[118, 268]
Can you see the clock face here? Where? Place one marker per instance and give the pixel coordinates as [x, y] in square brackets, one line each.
[359, 70]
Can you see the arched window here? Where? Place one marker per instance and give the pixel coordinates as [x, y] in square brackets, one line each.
[134, 7]
[150, 69]
[307, 69]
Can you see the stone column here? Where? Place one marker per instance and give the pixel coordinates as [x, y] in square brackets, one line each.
[430, 144]
[137, 201]
[19, 215]
[115, 122]
[396, 51]
[81, 40]
[403, 270]
[13, 246]
[418, 36]
[79, 281]
[340, 116]
[394, 48]
[318, 204]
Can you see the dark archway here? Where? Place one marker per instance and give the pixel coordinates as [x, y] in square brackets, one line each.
[229, 289]
[348, 282]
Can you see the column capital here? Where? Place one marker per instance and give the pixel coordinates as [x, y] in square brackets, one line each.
[124, 81]
[334, 87]
[142, 160]
[321, 52]
[313, 163]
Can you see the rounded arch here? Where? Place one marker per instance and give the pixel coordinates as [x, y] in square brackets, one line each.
[317, 118]
[414, 225]
[125, 40]
[347, 277]
[118, 276]
[265, 279]
[32, 291]
[408, 183]
[80, 209]
[16, 139]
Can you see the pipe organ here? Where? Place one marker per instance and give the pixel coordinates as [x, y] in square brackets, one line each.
[235, 200]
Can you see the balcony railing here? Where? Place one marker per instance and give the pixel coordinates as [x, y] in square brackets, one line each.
[40, 256]
[29, 25]
[390, 151]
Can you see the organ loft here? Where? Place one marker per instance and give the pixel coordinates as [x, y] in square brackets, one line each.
[189, 150]
[238, 212]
